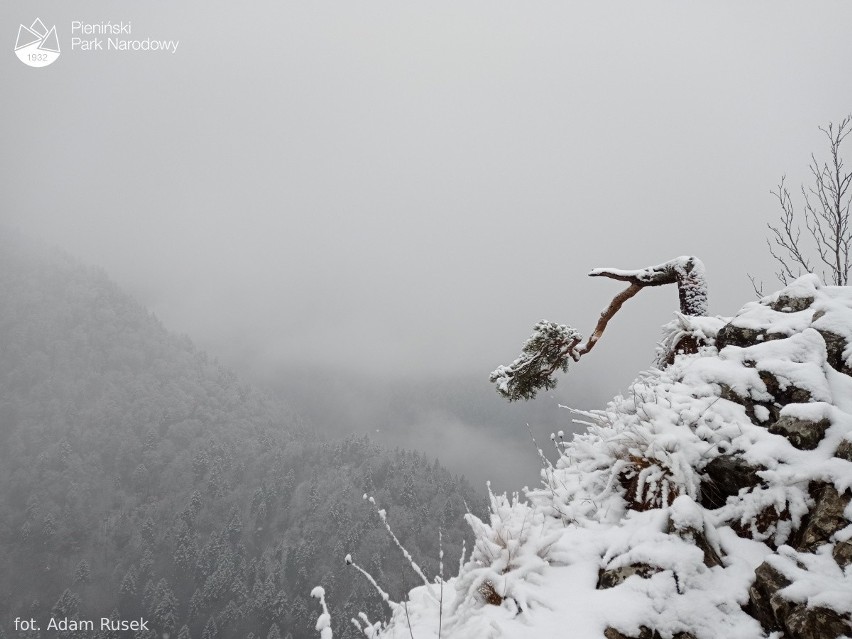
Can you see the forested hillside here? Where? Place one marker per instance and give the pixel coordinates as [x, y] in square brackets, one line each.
[138, 477]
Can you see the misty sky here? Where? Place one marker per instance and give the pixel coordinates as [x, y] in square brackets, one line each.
[379, 193]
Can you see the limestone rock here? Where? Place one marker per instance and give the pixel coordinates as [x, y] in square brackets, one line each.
[644, 633]
[815, 623]
[698, 537]
[834, 347]
[797, 621]
[733, 335]
[844, 450]
[825, 519]
[804, 434]
[784, 394]
[724, 476]
[615, 576]
[767, 606]
[842, 553]
[789, 304]
[774, 409]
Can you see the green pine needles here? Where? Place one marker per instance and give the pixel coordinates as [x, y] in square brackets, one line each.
[546, 351]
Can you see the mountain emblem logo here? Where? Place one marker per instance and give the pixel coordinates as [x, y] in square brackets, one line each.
[37, 46]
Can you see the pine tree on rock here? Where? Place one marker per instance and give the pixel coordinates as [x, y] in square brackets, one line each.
[551, 346]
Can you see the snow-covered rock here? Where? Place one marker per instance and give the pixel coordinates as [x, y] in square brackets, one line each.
[711, 501]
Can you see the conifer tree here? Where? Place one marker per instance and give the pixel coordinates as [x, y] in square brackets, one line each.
[109, 633]
[186, 548]
[200, 463]
[211, 631]
[409, 494]
[67, 606]
[82, 574]
[164, 611]
[552, 346]
[149, 530]
[235, 526]
[48, 527]
[230, 615]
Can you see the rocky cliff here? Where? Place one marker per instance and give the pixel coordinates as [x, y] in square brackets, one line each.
[710, 501]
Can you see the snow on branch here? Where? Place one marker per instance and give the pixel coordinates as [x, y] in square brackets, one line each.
[545, 352]
[685, 271]
[324, 621]
[383, 516]
[549, 348]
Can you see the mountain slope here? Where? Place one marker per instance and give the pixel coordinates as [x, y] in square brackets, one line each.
[139, 477]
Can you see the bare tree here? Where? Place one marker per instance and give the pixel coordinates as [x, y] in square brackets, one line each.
[551, 346]
[825, 214]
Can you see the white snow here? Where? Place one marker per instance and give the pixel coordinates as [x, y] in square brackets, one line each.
[625, 495]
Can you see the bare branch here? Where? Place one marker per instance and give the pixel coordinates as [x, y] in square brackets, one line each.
[827, 203]
[758, 288]
[787, 238]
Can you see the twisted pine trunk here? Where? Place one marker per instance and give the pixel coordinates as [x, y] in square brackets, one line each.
[685, 271]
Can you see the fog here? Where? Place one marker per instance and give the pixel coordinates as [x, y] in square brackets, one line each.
[365, 207]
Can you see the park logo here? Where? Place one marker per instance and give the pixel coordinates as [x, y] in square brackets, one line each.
[37, 46]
